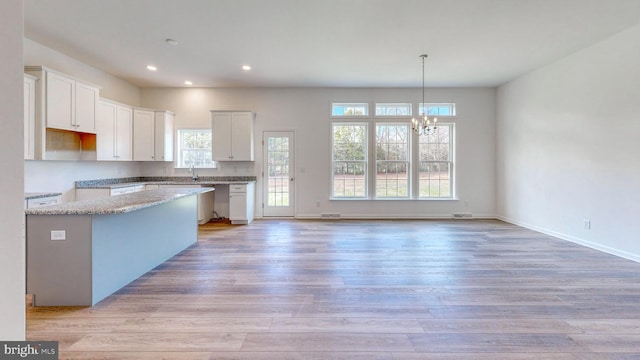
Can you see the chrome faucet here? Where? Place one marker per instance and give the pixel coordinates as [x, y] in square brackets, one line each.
[194, 174]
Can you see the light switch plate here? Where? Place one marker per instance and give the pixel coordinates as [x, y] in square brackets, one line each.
[58, 235]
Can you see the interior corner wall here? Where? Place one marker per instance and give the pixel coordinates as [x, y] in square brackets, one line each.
[12, 242]
[568, 140]
[306, 111]
[111, 87]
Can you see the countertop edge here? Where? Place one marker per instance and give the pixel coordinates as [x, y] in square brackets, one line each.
[118, 204]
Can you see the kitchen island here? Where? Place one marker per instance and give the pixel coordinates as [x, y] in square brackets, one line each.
[80, 252]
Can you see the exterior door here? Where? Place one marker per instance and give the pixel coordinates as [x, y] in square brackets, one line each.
[278, 174]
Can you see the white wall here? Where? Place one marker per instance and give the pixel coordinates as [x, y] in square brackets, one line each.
[568, 146]
[59, 176]
[12, 244]
[306, 111]
[111, 87]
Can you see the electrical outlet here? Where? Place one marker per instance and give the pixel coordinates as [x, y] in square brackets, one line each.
[58, 235]
[587, 224]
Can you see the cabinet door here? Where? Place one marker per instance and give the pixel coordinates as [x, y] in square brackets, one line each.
[164, 136]
[29, 117]
[237, 206]
[143, 135]
[85, 108]
[105, 137]
[124, 133]
[242, 136]
[60, 106]
[221, 128]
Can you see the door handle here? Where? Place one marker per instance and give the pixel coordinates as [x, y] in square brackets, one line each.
[292, 179]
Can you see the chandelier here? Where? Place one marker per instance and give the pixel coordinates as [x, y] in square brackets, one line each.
[423, 125]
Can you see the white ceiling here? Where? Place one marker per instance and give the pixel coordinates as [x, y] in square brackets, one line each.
[342, 43]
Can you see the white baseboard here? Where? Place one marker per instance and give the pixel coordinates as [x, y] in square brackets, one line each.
[392, 217]
[590, 244]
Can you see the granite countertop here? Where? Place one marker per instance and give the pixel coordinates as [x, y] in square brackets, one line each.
[40, 195]
[163, 180]
[117, 204]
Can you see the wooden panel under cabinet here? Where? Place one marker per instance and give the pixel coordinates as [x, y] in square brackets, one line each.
[114, 132]
[232, 135]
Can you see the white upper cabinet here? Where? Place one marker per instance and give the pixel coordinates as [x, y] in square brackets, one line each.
[153, 135]
[68, 103]
[232, 135]
[114, 132]
[86, 105]
[164, 132]
[143, 135]
[29, 116]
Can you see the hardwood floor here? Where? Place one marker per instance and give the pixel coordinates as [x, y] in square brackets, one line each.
[275, 289]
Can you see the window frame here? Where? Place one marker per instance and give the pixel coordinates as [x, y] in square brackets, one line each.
[178, 164]
[371, 164]
[451, 164]
[408, 161]
[365, 162]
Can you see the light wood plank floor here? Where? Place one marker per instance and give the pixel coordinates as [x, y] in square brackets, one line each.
[464, 289]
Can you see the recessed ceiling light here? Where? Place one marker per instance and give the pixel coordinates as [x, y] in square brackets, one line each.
[152, 68]
[246, 67]
[171, 42]
[187, 82]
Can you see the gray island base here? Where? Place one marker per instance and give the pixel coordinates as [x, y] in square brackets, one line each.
[79, 253]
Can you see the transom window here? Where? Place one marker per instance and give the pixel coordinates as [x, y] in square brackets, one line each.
[437, 109]
[349, 109]
[194, 148]
[393, 109]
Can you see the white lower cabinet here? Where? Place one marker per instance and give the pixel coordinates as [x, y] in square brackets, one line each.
[241, 203]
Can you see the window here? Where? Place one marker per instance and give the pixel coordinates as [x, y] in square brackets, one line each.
[393, 109]
[435, 152]
[194, 148]
[349, 109]
[392, 160]
[437, 109]
[378, 158]
[349, 158]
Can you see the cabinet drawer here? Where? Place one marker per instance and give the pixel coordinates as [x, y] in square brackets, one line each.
[32, 203]
[238, 188]
[126, 190]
